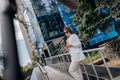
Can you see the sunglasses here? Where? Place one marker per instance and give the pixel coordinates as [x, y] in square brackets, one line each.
[66, 32]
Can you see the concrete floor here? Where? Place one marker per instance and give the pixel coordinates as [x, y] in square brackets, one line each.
[56, 75]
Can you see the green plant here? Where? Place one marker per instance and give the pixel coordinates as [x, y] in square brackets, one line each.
[28, 78]
[25, 69]
[94, 56]
[88, 18]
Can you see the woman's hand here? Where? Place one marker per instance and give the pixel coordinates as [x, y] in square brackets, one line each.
[67, 47]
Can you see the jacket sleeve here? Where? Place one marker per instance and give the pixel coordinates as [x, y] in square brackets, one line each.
[76, 41]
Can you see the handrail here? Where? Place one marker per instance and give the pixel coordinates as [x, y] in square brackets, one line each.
[42, 69]
[43, 72]
[61, 58]
[84, 51]
[56, 46]
[95, 49]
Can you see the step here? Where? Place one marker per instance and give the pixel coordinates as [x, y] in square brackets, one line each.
[56, 75]
[117, 78]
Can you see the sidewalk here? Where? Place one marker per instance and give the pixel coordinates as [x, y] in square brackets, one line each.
[56, 75]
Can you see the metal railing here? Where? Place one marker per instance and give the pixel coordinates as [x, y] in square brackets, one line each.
[43, 72]
[61, 62]
[57, 48]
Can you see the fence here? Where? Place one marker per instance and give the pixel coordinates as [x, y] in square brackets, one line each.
[43, 73]
[38, 73]
[61, 62]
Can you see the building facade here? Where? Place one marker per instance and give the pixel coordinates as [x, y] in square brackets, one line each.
[52, 17]
[49, 19]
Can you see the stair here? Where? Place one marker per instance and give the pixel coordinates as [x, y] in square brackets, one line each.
[117, 78]
[56, 75]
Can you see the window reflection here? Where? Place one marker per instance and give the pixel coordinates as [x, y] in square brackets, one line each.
[49, 18]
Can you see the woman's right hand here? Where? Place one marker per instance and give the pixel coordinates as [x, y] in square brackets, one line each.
[66, 48]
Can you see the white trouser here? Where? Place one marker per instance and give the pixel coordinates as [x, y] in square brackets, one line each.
[75, 70]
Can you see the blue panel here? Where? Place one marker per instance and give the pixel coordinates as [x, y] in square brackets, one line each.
[98, 38]
[66, 16]
[102, 37]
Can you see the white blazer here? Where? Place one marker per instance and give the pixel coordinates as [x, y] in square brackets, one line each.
[75, 51]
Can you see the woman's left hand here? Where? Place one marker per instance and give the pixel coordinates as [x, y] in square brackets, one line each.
[68, 45]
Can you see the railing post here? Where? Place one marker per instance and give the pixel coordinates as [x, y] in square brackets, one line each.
[108, 70]
[93, 66]
[47, 49]
[86, 72]
[61, 59]
[10, 54]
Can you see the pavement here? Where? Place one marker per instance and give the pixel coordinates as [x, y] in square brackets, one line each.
[117, 78]
[56, 75]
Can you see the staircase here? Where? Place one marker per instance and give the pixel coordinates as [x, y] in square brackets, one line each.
[54, 74]
[59, 64]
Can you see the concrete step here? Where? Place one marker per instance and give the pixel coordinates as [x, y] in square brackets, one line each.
[38, 75]
[56, 75]
[101, 70]
[117, 78]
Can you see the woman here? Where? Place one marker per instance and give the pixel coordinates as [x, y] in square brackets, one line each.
[73, 45]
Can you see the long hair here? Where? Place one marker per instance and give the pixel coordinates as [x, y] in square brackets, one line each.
[68, 29]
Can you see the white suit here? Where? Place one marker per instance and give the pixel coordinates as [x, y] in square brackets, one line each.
[76, 56]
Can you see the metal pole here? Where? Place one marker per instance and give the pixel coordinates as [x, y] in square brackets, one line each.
[105, 63]
[93, 66]
[48, 49]
[10, 54]
[86, 72]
